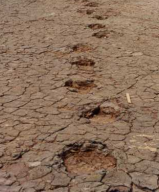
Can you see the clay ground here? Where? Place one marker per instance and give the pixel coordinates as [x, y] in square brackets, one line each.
[65, 69]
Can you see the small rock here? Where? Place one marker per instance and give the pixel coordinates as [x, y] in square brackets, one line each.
[137, 54]
[34, 164]
[109, 107]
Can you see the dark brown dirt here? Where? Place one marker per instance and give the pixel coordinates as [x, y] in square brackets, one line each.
[96, 26]
[88, 162]
[83, 64]
[81, 48]
[81, 86]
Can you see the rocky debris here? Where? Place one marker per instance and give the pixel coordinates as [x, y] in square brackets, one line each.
[109, 107]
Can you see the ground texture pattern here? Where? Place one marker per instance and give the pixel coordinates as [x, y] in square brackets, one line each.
[65, 69]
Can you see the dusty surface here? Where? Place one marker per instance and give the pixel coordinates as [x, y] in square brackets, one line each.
[65, 69]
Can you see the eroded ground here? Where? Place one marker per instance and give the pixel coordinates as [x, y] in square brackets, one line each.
[65, 69]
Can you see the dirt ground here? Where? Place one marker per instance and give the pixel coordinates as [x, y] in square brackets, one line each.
[65, 122]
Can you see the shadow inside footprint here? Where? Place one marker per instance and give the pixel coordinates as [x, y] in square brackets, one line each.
[96, 26]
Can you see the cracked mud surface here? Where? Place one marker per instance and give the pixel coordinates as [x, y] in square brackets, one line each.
[65, 122]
